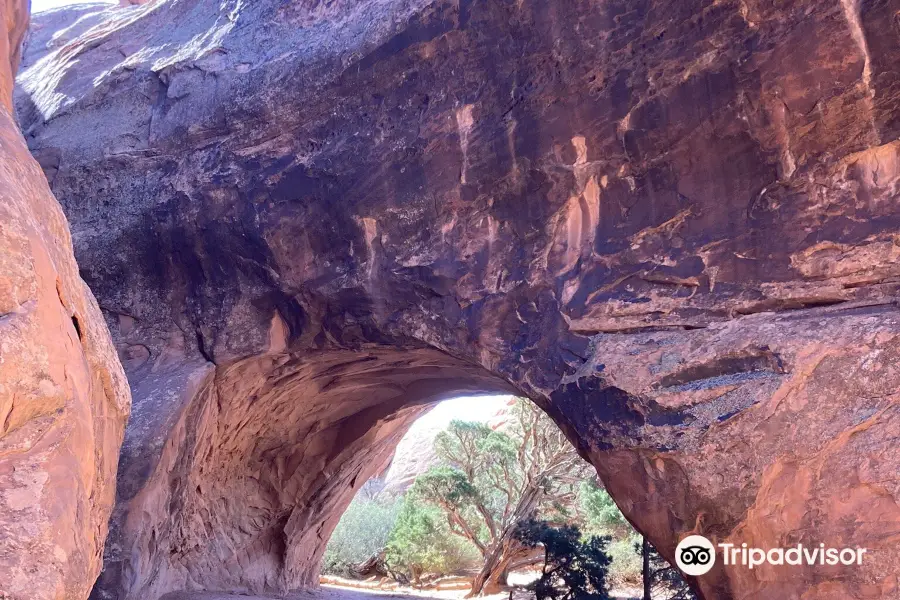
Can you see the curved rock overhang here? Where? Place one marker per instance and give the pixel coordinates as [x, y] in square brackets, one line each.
[240, 491]
[671, 224]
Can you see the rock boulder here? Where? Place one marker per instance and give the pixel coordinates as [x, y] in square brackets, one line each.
[63, 395]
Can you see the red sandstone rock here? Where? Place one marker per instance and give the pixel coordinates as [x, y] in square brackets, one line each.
[63, 396]
[673, 224]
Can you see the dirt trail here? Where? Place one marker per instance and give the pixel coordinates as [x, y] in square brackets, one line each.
[330, 592]
[323, 593]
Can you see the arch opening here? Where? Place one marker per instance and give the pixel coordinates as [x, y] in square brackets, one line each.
[263, 457]
[413, 528]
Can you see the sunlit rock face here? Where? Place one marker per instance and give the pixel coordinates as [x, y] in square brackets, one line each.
[54, 28]
[672, 224]
[416, 453]
[63, 395]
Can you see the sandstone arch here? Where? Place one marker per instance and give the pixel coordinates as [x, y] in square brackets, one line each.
[262, 460]
[671, 224]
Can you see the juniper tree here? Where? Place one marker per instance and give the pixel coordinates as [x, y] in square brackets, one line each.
[491, 481]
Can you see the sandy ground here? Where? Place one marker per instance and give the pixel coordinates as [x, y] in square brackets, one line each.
[330, 592]
[326, 592]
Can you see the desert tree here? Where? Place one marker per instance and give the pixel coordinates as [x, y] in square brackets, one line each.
[490, 482]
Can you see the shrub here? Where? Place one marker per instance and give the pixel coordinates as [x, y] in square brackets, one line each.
[421, 543]
[362, 532]
[626, 560]
[601, 515]
[574, 568]
[489, 481]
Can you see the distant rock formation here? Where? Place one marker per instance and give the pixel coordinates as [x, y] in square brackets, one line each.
[415, 453]
[63, 395]
[673, 224]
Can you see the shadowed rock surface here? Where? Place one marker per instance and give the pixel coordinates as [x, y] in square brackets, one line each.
[673, 225]
[63, 395]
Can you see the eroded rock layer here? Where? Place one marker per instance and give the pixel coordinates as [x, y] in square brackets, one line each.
[63, 396]
[672, 224]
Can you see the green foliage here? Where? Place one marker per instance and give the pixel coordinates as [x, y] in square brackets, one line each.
[626, 560]
[504, 466]
[363, 531]
[601, 515]
[574, 568]
[461, 442]
[490, 481]
[445, 486]
[485, 457]
[463, 511]
[421, 542]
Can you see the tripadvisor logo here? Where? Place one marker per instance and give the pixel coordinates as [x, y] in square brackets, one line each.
[695, 555]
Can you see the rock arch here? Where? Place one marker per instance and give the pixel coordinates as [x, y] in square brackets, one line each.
[671, 224]
[260, 462]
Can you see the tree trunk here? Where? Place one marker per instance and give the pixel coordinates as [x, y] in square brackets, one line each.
[492, 576]
[488, 579]
[645, 568]
[374, 565]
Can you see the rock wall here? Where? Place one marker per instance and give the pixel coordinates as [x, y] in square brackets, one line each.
[672, 224]
[63, 395]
